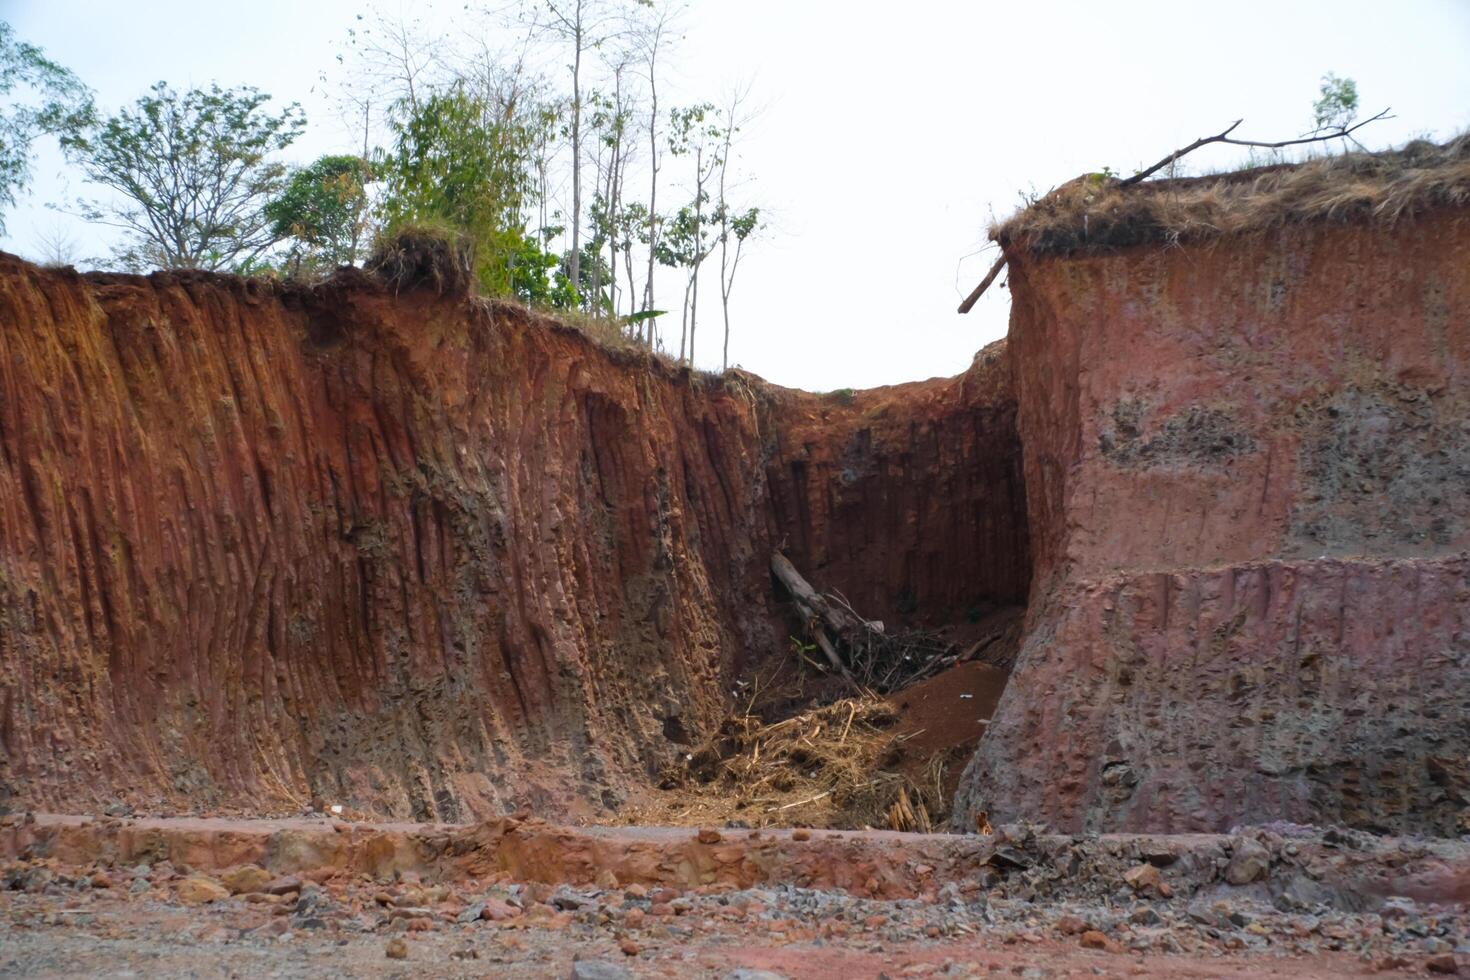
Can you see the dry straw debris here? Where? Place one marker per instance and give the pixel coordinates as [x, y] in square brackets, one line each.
[827, 767]
[1095, 213]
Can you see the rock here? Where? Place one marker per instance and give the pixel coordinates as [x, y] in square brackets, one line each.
[245, 879]
[471, 913]
[396, 949]
[1092, 939]
[200, 890]
[1249, 863]
[1072, 925]
[744, 974]
[1011, 858]
[630, 948]
[708, 835]
[1143, 878]
[496, 910]
[598, 970]
[117, 810]
[567, 900]
[282, 885]
[273, 928]
[1145, 916]
[1444, 964]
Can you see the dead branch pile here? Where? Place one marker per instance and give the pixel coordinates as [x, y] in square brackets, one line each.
[866, 655]
[1099, 212]
[828, 767]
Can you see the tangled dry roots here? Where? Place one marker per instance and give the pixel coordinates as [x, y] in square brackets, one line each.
[424, 258]
[1095, 212]
[824, 767]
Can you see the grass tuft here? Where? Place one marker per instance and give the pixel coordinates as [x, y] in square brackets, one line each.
[424, 256]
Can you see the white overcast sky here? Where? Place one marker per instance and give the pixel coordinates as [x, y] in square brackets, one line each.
[890, 132]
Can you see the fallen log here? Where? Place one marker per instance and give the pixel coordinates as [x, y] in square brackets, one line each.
[840, 620]
[975, 294]
[818, 614]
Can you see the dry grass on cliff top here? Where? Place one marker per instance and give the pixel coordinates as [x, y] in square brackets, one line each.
[425, 256]
[1093, 212]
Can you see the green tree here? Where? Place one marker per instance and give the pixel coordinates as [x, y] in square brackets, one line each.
[324, 208]
[1337, 106]
[42, 98]
[591, 296]
[463, 161]
[695, 133]
[194, 173]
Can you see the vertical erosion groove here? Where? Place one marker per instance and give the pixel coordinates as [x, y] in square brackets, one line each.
[428, 557]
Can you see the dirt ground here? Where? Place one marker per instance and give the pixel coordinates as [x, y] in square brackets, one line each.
[118, 940]
[521, 898]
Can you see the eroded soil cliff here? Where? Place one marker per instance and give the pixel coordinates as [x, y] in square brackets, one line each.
[427, 556]
[1247, 464]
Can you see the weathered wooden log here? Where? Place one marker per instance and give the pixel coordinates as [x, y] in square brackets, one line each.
[818, 614]
[979, 290]
[841, 621]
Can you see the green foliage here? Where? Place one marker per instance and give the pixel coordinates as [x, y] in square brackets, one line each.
[843, 396]
[56, 103]
[1337, 106]
[460, 161]
[193, 172]
[687, 236]
[740, 224]
[324, 209]
[531, 276]
[595, 275]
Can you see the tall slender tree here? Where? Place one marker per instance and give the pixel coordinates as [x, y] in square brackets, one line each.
[653, 36]
[733, 224]
[581, 26]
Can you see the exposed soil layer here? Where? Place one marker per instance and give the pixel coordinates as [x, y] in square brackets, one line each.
[425, 556]
[1248, 475]
[522, 898]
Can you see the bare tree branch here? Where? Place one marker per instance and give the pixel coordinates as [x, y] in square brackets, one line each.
[1221, 137]
[1224, 137]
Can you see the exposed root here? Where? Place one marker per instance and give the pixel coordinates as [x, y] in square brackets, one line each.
[423, 257]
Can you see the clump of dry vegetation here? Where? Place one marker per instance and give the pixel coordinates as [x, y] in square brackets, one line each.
[425, 257]
[1099, 212]
[832, 766]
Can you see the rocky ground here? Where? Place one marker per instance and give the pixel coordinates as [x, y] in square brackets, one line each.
[1040, 906]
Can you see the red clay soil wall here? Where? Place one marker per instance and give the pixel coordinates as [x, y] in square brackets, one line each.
[908, 499]
[1248, 472]
[422, 556]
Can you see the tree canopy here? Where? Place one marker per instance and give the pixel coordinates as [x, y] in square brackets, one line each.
[193, 171]
[324, 209]
[42, 98]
